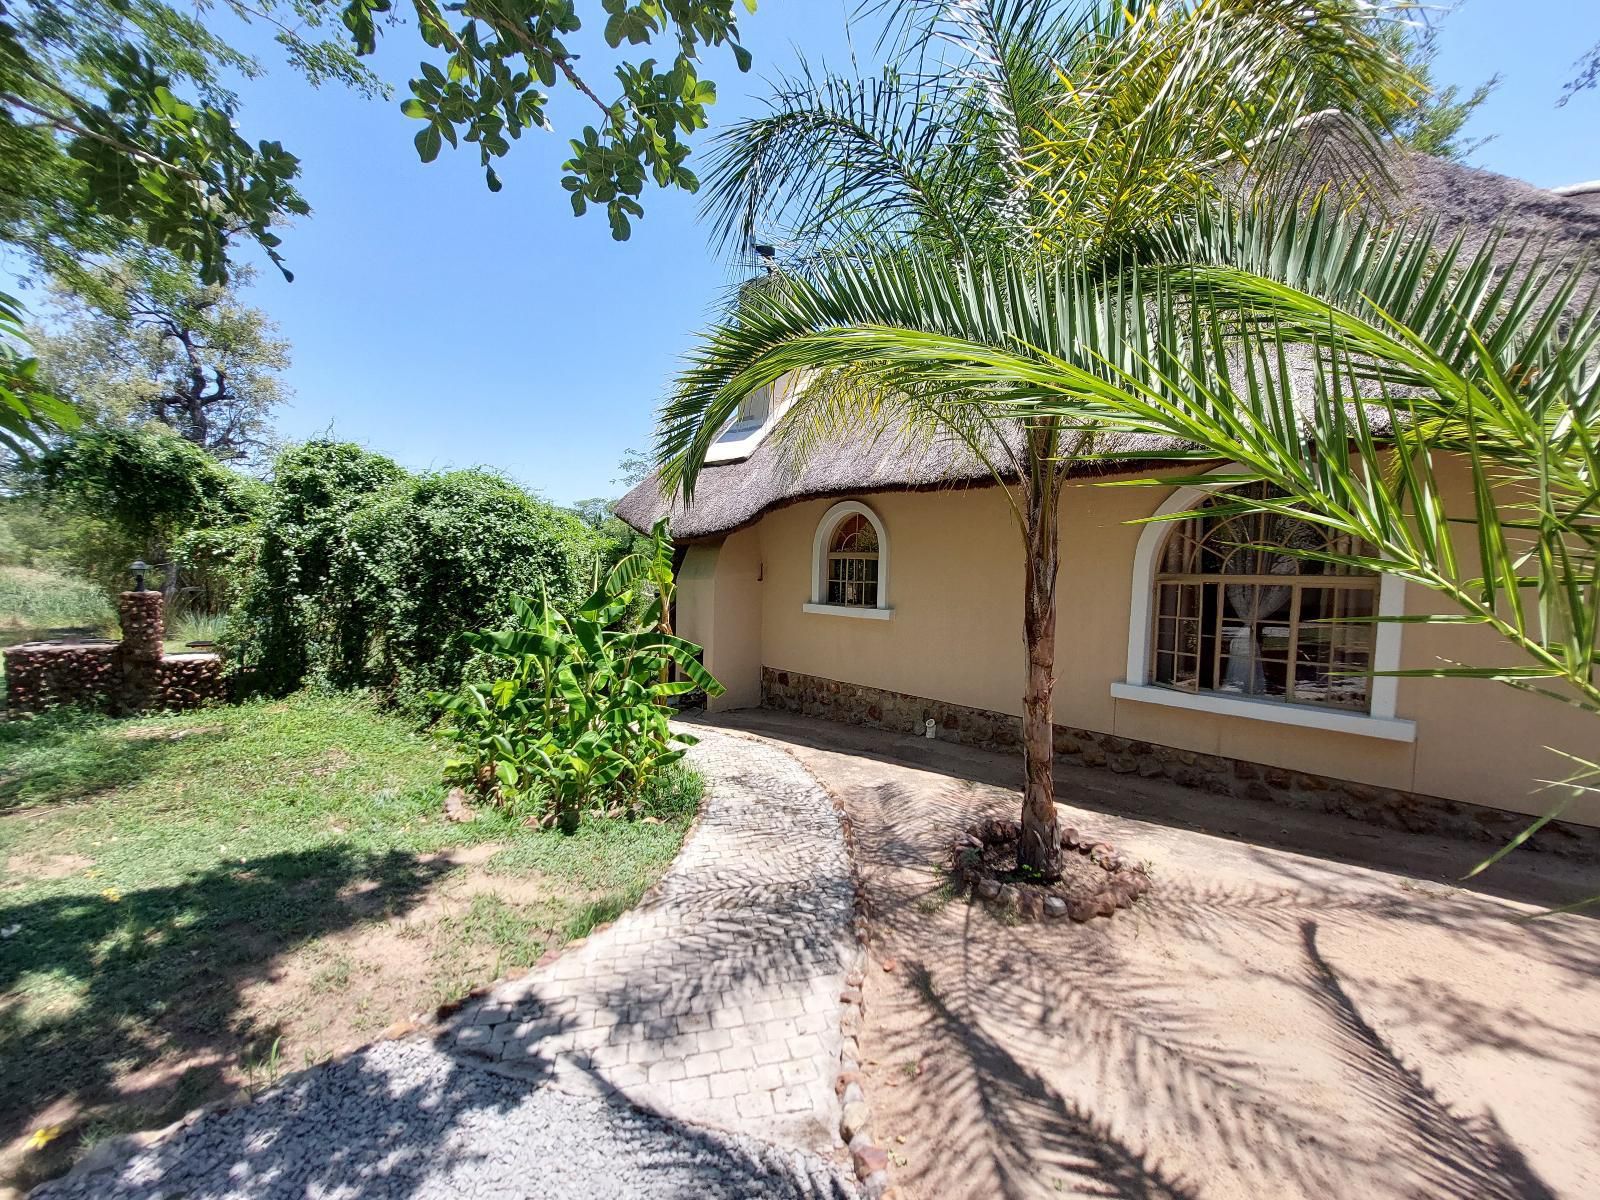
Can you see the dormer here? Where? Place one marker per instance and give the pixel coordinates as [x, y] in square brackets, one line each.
[758, 413]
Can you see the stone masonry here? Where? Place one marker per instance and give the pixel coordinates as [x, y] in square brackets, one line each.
[717, 1000]
[129, 676]
[854, 704]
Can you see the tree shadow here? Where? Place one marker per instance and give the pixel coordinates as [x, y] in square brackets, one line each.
[1183, 1033]
[157, 975]
[1031, 1131]
[1449, 1154]
[67, 769]
[1527, 876]
[397, 1119]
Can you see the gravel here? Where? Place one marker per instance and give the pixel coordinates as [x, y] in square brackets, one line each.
[400, 1119]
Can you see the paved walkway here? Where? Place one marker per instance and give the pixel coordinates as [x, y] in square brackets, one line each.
[716, 1000]
[1268, 1022]
[715, 1003]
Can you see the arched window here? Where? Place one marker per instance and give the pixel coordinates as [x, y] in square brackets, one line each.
[853, 563]
[1237, 612]
[850, 563]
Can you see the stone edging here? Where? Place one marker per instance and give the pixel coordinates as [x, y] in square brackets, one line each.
[869, 1160]
[1125, 882]
[899, 712]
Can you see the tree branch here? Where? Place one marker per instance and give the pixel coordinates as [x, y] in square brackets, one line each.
[68, 125]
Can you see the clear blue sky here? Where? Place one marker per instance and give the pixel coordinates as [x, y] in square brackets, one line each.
[445, 326]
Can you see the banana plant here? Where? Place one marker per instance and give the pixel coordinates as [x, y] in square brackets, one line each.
[577, 714]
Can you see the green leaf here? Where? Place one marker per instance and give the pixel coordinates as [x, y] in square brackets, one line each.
[429, 143]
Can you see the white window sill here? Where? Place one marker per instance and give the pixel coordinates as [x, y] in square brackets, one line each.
[1392, 729]
[849, 610]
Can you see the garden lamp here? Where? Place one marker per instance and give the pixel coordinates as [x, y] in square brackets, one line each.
[139, 567]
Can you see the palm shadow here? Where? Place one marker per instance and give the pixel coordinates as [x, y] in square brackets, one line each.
[1032, 1129]
[1452, 1154]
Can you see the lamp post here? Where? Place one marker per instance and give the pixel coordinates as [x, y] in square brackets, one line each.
[139, 567]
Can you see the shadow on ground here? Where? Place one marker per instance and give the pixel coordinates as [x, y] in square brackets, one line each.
[1266, 1023]
[1529, 876]
[400, 1120]
[63, 771]
[121, 983]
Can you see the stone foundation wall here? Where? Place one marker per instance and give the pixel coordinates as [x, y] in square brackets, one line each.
[854, 704]
[130, 676]
[41, 675]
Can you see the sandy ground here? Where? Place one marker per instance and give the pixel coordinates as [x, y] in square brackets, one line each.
[1300, 1008]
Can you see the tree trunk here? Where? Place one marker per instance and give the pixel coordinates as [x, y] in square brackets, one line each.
[1040, 845]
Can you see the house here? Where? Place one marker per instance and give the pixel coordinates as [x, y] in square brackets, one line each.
[882, 585]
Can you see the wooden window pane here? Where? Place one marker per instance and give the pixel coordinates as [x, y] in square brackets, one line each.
[1273, 625]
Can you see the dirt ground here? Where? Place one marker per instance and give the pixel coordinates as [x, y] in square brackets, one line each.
[1302, 1007]
[324, 996]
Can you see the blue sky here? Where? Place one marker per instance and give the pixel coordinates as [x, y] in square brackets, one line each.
[445, 326]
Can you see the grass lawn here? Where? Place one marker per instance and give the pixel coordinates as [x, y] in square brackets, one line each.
[41, 604]
[198, 902]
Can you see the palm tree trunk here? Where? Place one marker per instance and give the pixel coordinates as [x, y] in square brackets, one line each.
[1040, 844]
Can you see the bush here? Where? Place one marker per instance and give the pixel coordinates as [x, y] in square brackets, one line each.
[576, 716]
[125, 493]
[360, 574]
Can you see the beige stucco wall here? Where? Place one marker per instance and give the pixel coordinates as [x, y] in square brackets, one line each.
[720, 608]
[956, 589]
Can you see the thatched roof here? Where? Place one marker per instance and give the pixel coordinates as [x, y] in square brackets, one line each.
[730, 495]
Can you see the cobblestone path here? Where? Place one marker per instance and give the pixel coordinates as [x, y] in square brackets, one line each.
[716, 1000]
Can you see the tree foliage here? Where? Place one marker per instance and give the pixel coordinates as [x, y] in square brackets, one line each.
[141, 340]
[360, 574]
[1586, 75]
[127, 492]
[495, 68]
[148, 483]
[28, 410]
[1432, 120]
[116, 127]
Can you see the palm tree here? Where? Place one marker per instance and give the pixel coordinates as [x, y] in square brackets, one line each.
[1336, 361]
[1046, 133]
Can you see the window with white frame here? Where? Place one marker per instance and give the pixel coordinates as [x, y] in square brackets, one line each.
[1236, 611]
[853, 563]
[850, 563]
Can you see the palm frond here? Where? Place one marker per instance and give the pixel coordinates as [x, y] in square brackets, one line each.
[866, 159]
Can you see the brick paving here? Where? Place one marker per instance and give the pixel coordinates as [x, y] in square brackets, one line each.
[716, 1000]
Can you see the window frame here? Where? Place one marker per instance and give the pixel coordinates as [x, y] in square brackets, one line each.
[1379, 720]
[821, 556]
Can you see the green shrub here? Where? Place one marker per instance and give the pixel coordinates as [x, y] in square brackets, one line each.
[108, 496]
[359, 573]
[576, 715]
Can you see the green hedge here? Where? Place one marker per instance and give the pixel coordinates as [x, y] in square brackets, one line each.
[360, 574]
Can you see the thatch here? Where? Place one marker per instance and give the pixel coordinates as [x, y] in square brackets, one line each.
[1460, 198]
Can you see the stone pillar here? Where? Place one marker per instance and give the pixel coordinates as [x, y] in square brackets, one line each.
[143, 629]
[138, 683]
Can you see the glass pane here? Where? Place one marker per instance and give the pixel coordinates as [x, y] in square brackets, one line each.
[1178, 635]
[853, 579]
[1283, 641]
[1335, 649]
[1254, 640]
[855, 535]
